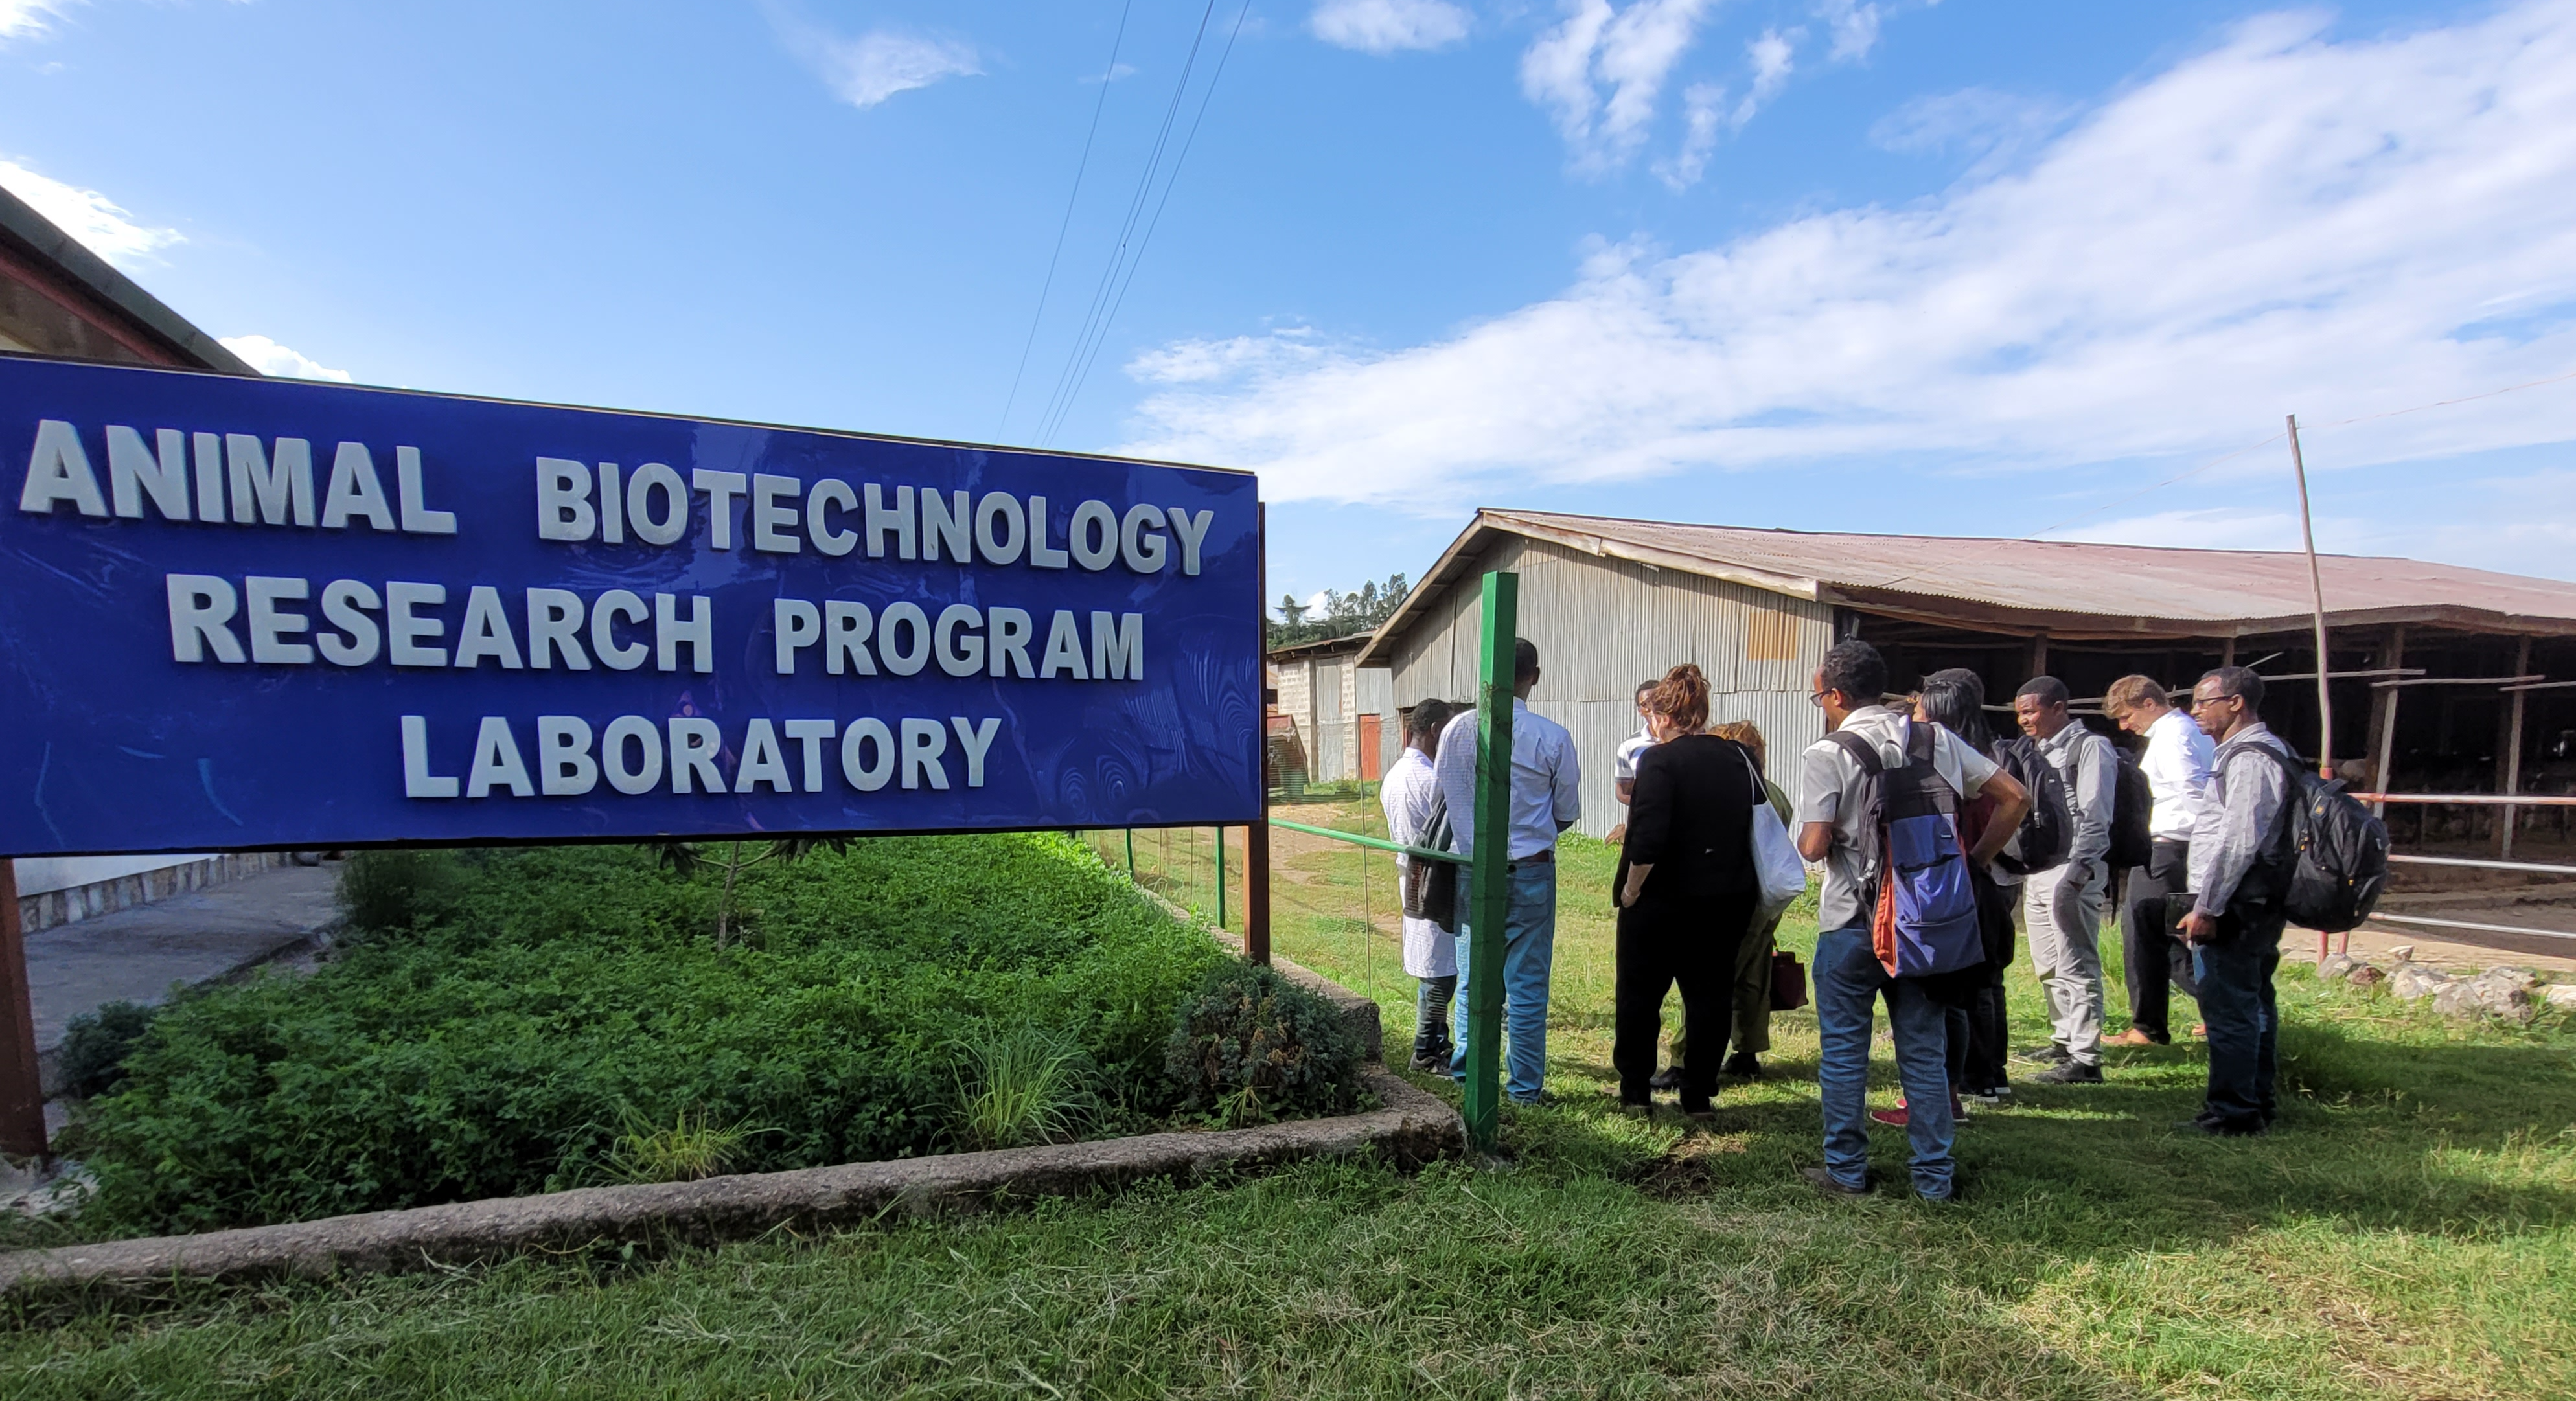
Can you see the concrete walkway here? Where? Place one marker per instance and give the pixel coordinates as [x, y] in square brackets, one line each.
[136, 955]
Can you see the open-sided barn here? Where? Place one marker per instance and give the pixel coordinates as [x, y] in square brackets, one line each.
[2422, 655]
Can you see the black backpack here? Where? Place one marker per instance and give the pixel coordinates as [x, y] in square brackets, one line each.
[2328, 856]
[2049, 831]
[2132, 844]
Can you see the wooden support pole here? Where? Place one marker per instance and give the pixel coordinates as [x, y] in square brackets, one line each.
[1256, 838]
[2385, 713]
[1220, 877]
[1489, 878]
[2317, 600]
[22, 1089]
[2513, 755]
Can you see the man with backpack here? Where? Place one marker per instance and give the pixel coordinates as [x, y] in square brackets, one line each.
[2234, 926]
[2062, 908]
[1877, 805]
[2176, 769]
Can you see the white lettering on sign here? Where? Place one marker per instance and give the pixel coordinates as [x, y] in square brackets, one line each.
[926, 628]
[629, 753]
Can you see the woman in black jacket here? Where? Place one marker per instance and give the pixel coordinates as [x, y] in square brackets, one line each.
[1687, 890]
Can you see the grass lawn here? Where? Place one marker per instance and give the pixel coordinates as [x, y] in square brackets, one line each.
[2411, 1233]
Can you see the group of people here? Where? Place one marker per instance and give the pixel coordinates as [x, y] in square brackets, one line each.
[2029, 824]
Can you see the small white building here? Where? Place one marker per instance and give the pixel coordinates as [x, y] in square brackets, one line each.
[1344, 716]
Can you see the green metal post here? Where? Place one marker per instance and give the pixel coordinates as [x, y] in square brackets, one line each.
[1220, 878]
[1131, 853]
[1488, 879]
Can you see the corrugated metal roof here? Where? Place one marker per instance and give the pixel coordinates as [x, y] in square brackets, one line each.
[1320, 647]
[20, 224]
[2068, 589]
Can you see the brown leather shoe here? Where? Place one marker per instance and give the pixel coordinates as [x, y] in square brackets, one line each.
[2131, 1037]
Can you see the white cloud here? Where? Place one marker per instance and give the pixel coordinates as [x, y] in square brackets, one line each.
[1854, 27]
[1773, 57]
[876, 65]
[1601, 70]
[1701, 104]
[270, 358]
[1384, 26]
[28, 19]
[2211, 528]
[1977, 122]
[873, 67]
[2279, 223]
[101, 224]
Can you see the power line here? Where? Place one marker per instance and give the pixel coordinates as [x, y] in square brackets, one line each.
[1108, 76]
[1215, 77]
[2037, 536]
[1135, 211]
[2446, 403]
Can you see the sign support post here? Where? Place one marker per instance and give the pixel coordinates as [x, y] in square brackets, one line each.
[22, 1091]
[1256, 838]
[1489, 878]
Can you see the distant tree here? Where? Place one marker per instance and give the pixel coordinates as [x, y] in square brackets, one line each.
[1341, 615]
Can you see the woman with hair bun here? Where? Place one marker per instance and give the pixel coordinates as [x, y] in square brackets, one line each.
[1686, 891]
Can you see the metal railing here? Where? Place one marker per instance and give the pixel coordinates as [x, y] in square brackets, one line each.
[2508, 801]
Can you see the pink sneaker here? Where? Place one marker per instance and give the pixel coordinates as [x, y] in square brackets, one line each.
[1897, 1118]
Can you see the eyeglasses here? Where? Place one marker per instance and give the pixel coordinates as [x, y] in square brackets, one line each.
[2204, 702]
[1817, 698]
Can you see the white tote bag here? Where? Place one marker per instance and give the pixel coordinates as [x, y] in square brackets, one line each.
[1777, 866]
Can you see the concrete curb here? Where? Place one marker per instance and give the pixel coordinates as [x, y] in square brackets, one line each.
[1412, 1129]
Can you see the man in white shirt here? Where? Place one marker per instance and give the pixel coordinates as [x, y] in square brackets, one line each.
[1411, 796]
[1546, 797]
[2177, 768]
[2062, 907]
[1835, 827]
[1623, 766]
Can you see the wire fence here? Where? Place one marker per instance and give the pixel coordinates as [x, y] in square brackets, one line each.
[1334, 906]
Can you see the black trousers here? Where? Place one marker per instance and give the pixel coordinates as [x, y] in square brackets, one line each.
[2157, 963]
[1659, 946]
[1979, 1065]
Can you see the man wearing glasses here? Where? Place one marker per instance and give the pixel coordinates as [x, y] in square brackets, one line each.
[2234, 926]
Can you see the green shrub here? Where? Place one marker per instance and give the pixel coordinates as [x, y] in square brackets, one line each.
[397, 890]
[693, 1148]
[95, 1045]
[1023, 1085]
[500, 1045]
[1253, 1046]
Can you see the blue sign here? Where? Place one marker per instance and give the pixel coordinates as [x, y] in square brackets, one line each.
[259, 613]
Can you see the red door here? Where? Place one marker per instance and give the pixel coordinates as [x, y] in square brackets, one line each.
[1368, 749]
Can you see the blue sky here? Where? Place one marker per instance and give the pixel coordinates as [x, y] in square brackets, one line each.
[1828, 264]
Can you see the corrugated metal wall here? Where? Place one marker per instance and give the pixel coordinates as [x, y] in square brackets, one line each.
[1375, 688]
[1603, 625]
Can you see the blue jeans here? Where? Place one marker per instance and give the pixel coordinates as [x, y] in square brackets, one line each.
[1529, 954]
[1849, 982]
[2244, 1025]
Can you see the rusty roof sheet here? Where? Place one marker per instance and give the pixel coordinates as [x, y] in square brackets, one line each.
[2065, 587]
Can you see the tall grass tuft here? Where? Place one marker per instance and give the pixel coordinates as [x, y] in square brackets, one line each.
[691, 1148]
[1020, 1085]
